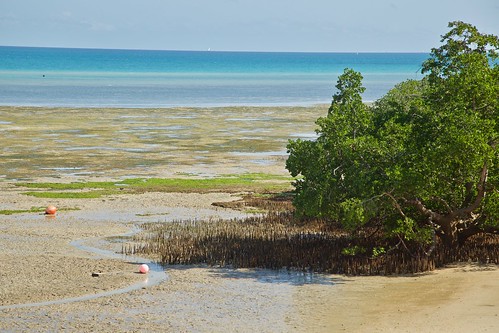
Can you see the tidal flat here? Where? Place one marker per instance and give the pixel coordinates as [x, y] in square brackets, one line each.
[73, 143]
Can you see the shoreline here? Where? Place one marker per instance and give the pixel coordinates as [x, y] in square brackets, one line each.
[173, 106]
[179, 106]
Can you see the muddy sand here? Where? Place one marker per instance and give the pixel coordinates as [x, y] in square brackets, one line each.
[40, 263]
[46, 263]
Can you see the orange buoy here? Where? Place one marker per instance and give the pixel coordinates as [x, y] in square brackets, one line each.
[50, 210]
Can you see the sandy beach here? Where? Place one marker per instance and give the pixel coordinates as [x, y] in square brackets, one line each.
[40, 262]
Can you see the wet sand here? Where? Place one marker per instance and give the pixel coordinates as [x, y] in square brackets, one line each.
[73, 144]
[38, 263]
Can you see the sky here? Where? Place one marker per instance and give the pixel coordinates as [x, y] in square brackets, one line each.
[241, 25]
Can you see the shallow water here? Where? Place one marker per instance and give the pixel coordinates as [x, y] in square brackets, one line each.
[283, 276]
[126, 78]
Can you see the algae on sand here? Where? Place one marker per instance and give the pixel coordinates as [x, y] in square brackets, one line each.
[228, 183]
[135, 143]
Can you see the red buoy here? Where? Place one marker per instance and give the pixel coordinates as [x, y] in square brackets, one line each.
[50, 210]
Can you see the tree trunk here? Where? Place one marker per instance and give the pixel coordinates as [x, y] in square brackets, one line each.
[474, 230]
[452, 235]
[448, 231]
[457, 225]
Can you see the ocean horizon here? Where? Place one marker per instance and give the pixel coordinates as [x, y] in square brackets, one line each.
[64, 77]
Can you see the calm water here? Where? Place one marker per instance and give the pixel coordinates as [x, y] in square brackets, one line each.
[135, 78]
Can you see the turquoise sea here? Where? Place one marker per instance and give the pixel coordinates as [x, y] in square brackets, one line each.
[138, 78]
